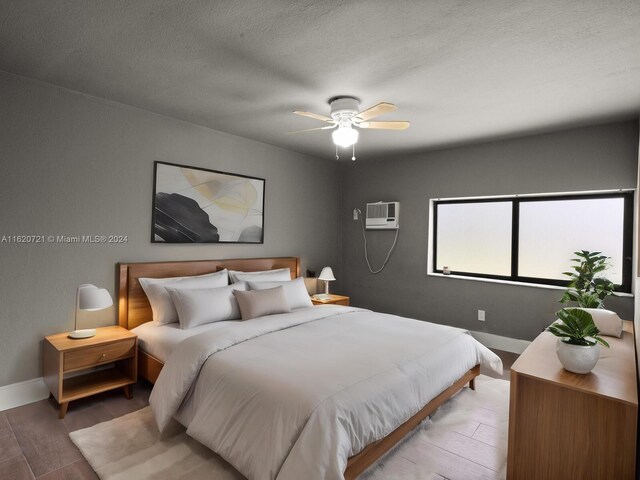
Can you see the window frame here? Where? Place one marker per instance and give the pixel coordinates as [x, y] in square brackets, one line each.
[516, 200]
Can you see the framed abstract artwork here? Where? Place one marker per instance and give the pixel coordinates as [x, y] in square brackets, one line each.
[197, 205]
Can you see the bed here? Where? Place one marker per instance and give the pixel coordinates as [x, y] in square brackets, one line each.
[421, 388]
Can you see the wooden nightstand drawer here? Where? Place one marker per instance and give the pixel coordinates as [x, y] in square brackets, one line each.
[97, 355]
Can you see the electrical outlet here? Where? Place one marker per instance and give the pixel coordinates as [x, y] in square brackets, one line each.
[481, 315]
[355, 213]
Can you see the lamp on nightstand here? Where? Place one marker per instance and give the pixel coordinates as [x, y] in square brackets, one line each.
[89, 298]
[326, 275]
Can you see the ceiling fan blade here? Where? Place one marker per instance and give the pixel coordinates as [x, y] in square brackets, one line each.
[376, 111]
[312, 129]
[313, 115]
[399, 125]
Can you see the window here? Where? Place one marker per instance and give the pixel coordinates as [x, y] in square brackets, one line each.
[531, 239]
[486, 226]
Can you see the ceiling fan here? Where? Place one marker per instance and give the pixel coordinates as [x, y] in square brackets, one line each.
[346, 118]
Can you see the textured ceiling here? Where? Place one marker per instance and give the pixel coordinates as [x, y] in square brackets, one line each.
[460, 71]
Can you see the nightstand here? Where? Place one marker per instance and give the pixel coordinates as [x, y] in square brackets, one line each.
[69, 365]
[332, 300]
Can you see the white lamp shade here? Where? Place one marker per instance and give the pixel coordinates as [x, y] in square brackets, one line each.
[93, 298]
[345, 136]
[326, 275]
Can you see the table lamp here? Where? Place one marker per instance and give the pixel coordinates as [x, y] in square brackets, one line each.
[89, 298]
[326, 275]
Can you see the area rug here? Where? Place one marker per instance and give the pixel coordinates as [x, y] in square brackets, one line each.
[466, 438]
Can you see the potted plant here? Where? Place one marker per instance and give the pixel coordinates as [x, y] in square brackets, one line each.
[587, 287]
[578, 345]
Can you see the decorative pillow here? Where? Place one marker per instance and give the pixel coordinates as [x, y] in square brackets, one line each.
[280, 275]
[608, 322]
[294, 290]
[199, 306]
[164, 311]
[259, 303]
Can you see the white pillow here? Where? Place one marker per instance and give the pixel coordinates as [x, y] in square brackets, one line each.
[260, 303]
[199, 306]
[280, 275]
[294, 290]
[608, 322]
[164, 311]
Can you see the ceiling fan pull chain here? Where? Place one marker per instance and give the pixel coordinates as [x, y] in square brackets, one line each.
[353, 158]
[337, 156]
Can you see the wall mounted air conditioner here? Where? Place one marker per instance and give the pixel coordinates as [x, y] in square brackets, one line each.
[383, 216]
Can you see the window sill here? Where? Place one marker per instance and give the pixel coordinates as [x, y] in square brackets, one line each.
[510, 282]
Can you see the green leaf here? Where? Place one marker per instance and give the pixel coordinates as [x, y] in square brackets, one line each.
[586, 286]
[557, 332]
[576, 326]
[567, 330]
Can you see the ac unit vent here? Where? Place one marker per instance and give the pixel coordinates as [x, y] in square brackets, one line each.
[383, 215]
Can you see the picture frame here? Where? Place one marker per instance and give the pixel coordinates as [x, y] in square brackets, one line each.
[201, 205]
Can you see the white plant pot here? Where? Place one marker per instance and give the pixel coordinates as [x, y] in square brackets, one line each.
[577, 358]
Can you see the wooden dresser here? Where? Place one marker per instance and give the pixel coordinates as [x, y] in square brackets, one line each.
[563, 425]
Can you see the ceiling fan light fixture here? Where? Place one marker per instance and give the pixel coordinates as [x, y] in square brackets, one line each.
[347, 119]
[345, 136]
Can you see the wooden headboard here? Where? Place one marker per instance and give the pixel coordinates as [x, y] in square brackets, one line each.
[133, 306]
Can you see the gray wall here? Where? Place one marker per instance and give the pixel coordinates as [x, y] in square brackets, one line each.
[636, 252]
[600, 157]
[73, 164]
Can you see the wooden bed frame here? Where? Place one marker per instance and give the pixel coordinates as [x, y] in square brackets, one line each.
[134, 310]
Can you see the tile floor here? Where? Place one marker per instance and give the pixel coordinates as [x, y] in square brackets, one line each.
[34, 443]
[469, 451]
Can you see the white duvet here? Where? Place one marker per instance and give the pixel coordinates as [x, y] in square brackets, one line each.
[293, 396]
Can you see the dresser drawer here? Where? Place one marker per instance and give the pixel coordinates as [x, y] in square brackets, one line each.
[96, 355]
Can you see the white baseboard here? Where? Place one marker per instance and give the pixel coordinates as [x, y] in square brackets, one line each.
[498, 342]
[18, 394]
